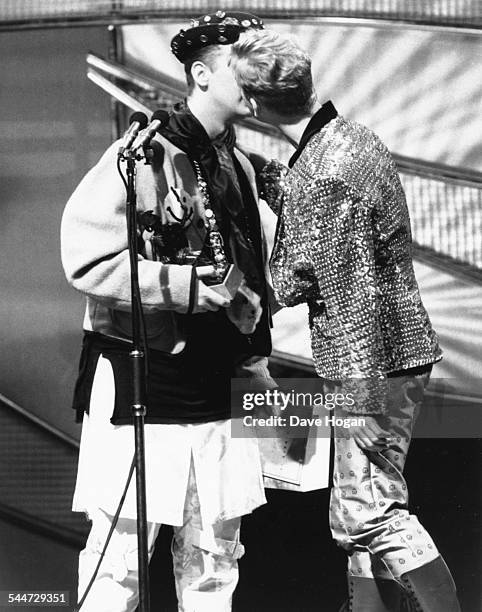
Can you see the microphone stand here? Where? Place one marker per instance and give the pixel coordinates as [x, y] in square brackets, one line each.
[137, 356]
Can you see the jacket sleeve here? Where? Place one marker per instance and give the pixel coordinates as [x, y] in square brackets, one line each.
[271, 181]
[94, 245]
[341, 251]
[292, 272]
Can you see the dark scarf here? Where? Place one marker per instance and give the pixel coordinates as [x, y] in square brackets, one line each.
[231, 195]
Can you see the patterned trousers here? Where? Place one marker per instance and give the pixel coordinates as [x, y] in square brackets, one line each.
[369, 514]
[204, 560]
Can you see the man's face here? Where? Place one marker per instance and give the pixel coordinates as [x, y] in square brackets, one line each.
[224, 91]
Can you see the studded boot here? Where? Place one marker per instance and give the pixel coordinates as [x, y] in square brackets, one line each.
[369, 595]
[431, 588]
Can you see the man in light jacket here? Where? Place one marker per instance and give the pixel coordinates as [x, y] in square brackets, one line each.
[197, 205]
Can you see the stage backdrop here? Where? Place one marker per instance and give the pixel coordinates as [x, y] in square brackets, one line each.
[420, 91]
[54, 125]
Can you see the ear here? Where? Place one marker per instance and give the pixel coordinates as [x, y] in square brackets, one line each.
[201, 73]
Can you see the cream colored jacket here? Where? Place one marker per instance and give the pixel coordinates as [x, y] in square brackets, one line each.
[94, 243]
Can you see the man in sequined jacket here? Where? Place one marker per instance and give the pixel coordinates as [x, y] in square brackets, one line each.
[343, 246]
[197, 204]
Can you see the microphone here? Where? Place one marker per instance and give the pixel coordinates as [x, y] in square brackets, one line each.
[138, 121]
[158, 119]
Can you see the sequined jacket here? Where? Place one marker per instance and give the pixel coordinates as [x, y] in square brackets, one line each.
[343, 245]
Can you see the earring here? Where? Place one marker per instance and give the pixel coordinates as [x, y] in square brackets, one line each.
[254, 106]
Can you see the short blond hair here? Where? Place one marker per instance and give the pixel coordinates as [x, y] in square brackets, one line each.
[273, 69]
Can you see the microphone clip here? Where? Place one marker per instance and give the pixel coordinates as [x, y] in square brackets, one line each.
[146, 153]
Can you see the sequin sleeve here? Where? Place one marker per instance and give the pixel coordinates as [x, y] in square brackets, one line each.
[270, 182]
[294, 281]
[342, 256]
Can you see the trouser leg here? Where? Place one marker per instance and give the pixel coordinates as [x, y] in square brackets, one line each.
[205, 559]
[369, 504]
[116, 586]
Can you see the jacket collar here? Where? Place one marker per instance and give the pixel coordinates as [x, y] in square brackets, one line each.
[321, 118]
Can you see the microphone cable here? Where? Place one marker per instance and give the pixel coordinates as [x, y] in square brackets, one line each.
[109, 536]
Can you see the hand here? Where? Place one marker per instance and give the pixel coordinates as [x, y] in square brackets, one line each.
[207, 299]
[245, 310]
[369, 437]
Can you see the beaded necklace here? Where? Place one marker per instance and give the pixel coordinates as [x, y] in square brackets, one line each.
[214, 236]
